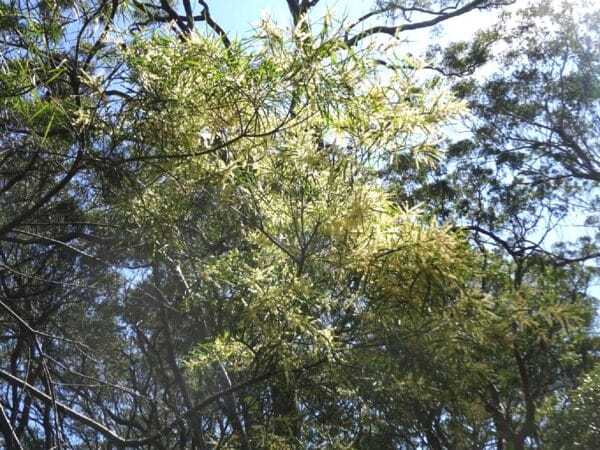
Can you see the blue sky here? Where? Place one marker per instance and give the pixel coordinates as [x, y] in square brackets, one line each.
[237, 17]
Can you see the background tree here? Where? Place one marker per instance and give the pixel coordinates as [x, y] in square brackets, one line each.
[513, 187]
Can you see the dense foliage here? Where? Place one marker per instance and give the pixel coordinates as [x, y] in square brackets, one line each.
[277, 241]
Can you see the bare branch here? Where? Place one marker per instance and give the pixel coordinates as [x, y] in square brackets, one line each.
[394, 30]
[205, 15]
[10, 436]
[47, 399]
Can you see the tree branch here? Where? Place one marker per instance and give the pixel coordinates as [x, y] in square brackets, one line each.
[394, 30]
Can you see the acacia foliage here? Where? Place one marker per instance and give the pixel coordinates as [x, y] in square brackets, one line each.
[203, 246]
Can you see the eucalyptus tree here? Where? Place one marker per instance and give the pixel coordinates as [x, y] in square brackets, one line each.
[526, 171]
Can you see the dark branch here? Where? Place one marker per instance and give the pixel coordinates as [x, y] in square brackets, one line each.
[394, 30]
[214, 25]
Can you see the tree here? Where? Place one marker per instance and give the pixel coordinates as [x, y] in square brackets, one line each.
[511, 187]
[50, 229]
[208, 242]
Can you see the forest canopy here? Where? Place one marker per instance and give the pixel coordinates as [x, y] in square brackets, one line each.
[316, 234]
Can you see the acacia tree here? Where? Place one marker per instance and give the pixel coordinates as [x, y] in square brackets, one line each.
[207, 243]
